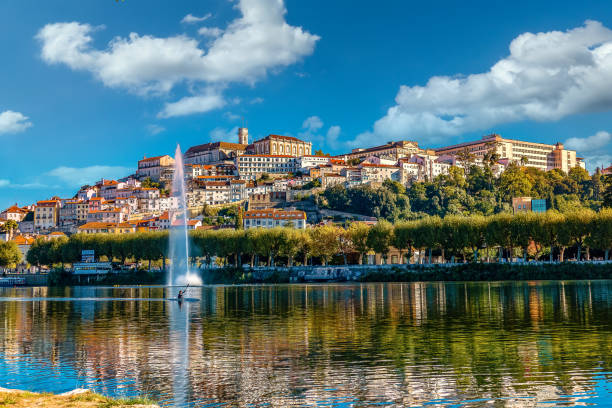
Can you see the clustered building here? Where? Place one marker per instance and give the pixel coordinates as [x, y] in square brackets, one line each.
[260, 176]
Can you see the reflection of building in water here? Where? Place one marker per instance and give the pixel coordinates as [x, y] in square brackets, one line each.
[406, 344]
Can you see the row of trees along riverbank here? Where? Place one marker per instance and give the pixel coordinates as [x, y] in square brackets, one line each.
[546, 236]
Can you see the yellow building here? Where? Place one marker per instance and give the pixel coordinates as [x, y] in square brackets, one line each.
[152, 167]
[282, 145]
[106, 228]
[539, 155]
[46, 214]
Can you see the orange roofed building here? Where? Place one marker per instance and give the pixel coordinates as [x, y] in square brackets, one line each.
[46, 214]
[106, 228]
[152, 166]
[270, 218]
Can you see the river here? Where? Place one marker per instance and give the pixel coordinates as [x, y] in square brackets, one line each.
[544, 343]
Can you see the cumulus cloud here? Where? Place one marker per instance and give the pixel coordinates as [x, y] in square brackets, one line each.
[191, 19]
[596, 149]
[312, 131]
[224, 135]
[78, 176]
[13, 122]
[155, 129]
[546, 77]
[312, 124]
[192, 104]
[251, 45]
[6, 183]
[210, 31]
[592, 143]
[231, 116]
[332, 136]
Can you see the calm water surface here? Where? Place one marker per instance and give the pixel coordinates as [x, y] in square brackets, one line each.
[420, 344]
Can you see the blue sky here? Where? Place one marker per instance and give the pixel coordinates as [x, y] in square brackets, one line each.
[87, 88]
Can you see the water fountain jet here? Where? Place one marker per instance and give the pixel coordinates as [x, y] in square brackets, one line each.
[179, 272]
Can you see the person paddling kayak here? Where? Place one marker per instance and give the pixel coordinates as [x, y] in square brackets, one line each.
[180, 295]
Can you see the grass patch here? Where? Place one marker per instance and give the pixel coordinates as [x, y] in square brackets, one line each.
[122, 402]
[7, 400]
[85, 400]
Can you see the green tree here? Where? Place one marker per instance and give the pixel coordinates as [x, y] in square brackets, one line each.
[9, 254]
[380, 238]
[324, 242]
[10, 226]
[358, 234]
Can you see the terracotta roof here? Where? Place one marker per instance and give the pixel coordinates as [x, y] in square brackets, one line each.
[57, 234]
[22, 240]
[46, 203]
[216, 145]
[15, 209]
[295, 139]
[152, 158]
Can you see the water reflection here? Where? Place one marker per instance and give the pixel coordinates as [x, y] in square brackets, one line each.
[443, 344]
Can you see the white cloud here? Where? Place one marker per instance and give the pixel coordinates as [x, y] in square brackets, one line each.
[546, 77]
[250, 46]
[192, 104]
[13, 122]
[589, 144]
[312, 124]
[332, 136]
[210, 31]
[231, 116]
[224, 135]
[155, 129]
[191, 19]
[595, 149]
[257, 100]
[6, 183]
[78, 176]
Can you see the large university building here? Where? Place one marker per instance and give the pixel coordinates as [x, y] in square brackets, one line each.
[282, 145]
[391, 150]
[539, 155]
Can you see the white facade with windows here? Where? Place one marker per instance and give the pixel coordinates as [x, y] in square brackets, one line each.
[251, 166]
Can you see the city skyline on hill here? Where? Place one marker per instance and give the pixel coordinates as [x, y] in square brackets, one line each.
[89, 88]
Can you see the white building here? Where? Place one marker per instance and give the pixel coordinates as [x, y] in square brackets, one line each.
[304, 163]
[251, 166]
[270, 218]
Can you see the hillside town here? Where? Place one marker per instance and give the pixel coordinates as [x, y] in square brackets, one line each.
[266, 181]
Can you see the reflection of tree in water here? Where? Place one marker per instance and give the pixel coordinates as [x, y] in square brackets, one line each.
[405, 343]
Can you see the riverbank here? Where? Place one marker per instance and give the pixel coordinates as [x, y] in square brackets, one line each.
[413, 273]
[77, 399]
[361, 273]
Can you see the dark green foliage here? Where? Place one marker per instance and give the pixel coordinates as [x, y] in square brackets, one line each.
[490, 272]
[473, 192]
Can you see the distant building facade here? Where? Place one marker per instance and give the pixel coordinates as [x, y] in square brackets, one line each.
[539, 155]
[282, 145]
[270, 218]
